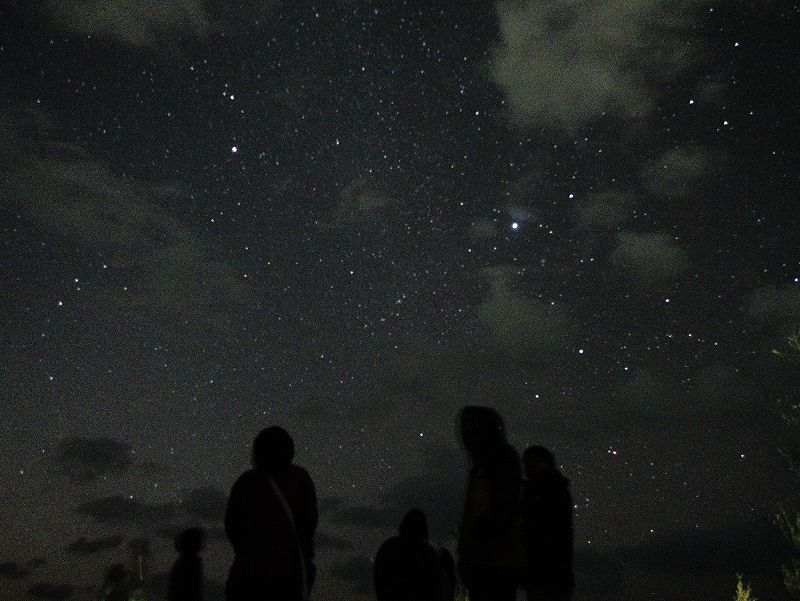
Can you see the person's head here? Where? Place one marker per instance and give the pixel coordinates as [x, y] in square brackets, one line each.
[538, 460]
[273, 449]
[189, 542]
[414, 525]
[482, 429]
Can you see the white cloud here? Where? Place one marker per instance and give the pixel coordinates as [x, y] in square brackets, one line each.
[677, 172]
[765, 304]
[604, 211]
[563, 63]
[153, 23]
[648, 258]
[134, 22]
[529, 329]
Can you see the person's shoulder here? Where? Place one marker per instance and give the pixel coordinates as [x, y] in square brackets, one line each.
[429, 551]
[297, 469]
[246, 479]
[507, 453]
[298, 472]
[560, 481]
[389, 546]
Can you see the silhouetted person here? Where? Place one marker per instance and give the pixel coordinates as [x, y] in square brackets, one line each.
[490, 553]
[406, 566]
[186, 576]
[270, 521]
[447, 578]
[547, 507]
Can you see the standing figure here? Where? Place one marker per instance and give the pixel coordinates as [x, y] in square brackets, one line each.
[270, 521]
[186, 576]
[547, 507]
[406, 566]
[448, 575]
[490, 554]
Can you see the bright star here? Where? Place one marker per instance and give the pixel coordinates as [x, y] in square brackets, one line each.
[515, 226]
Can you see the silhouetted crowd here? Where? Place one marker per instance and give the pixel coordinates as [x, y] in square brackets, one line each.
[514, 531]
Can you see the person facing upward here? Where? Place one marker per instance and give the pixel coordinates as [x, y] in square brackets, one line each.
[406, 566]
[489, 547]
[186, 576]
[270, 521]
[547, 508]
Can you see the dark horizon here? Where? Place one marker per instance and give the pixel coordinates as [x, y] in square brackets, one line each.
[354, 219]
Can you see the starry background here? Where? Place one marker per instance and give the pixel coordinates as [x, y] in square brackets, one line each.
[353, 218]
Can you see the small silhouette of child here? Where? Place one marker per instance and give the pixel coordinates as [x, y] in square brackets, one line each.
[186, 576]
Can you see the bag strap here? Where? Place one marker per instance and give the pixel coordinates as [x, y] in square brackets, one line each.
[289, 514]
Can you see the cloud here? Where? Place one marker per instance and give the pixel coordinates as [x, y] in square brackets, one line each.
[753, 546]
[602, 212]
[364, 516]
[598, 575]
[642, 398]
[152, 23]
[363, 206]
[483, 229]
[648, 259]
[563, 64]
[207, 503]
[722, 391]
[13, 570]
[355, 570]
[139, 545]
[328, 504]
[168, 269]
[84, 546]
[143, 23]
[121, 510]
[51, 591]
[85, 459]
[158, 588]
[437, 489]
[678, 171]
[527, 329]
[774, 304]
[330, 542]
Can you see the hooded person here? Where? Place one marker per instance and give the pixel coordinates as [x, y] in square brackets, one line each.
[406, 566]
[186, 576]
[270, 520]
[547, 509]
[490, 553]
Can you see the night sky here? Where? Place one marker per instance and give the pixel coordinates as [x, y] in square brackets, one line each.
[352, 219]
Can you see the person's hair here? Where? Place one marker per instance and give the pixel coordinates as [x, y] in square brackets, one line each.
[485, 422]
[414, 525]
[189, 541]
[273, 449]
[539, 454]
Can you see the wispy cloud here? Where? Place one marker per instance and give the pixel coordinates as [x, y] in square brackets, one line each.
[648, 259]
[520, 326]
[84, 459]
[563, 64]
[167, 268]
[150, 23]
